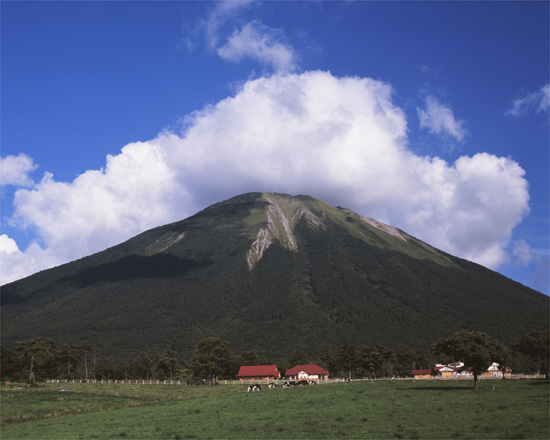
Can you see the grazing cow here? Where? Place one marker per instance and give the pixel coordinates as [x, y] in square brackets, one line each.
[272, 385]
[253, 387]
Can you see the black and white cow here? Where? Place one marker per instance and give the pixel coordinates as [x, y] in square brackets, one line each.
[254, 387]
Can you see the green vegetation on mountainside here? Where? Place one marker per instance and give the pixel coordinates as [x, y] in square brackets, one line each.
[174, 285]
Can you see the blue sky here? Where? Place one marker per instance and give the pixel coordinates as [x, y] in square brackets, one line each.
[120, 116]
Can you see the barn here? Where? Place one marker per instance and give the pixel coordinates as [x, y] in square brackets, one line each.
[258, 372]
[306, 372]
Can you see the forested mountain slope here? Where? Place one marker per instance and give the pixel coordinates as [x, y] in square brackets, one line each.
[268, 272]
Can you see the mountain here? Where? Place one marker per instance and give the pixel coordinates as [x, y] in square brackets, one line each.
[272, 273]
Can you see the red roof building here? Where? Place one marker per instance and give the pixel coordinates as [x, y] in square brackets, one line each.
[307, 372]
[259, 372]
[422, 374]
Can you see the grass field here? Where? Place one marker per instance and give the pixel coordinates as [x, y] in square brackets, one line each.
[380, 409]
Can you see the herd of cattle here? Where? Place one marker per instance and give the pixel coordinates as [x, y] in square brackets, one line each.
[286, 384]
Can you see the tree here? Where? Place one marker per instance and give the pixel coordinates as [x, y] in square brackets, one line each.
[142, 366]
[407, 360]
[535, 345]
[87, 347]
[348, 358]
[166, 364]
[502, 356]
[40, 355]
[329, 360]
[10, 364]
[373, 358]
[107, 369]
[474, 348]
[69, 357]
[212, 358]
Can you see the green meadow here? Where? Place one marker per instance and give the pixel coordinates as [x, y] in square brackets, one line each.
[501, 409]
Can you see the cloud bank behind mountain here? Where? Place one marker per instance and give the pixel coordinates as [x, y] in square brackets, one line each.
[339, 139]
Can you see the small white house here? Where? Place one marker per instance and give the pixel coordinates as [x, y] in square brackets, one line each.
[306, 372]
[494, 371]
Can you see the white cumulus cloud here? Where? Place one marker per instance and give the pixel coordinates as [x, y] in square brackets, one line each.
[439, 119]
[135, 191]
[339, 139]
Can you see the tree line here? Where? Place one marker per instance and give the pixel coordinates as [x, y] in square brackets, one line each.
[40, 359]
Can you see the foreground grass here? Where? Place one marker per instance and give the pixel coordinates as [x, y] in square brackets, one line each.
[390, 409]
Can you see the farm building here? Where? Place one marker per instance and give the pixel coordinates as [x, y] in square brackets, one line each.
[422, 374]
[306, 372]
[445, 371]
[495, 371]
[458, 370]
[259, 372]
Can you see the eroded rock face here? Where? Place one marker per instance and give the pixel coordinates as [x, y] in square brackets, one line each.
[164, 243]
[282, 216]
[262, 242]
[384, 227]
[283, 213]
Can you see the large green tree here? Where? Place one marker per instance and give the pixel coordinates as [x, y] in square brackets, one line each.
[142, 366]
[167, 362]
[476, 349]
[41, 356]
[69, 358]
[213, 359]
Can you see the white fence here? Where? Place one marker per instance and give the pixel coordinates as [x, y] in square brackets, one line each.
[139, 382]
